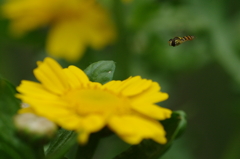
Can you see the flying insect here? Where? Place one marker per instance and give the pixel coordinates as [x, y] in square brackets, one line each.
[178, 40]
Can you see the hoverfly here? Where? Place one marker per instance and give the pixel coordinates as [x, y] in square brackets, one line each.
[178, 40]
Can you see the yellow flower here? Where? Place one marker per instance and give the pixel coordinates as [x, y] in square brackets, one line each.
[67, 97]
[74, 24]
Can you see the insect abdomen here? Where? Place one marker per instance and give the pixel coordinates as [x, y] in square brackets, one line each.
[187, 38]
[178, 40]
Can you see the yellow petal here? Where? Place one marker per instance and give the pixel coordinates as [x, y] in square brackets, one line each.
[26, 110]
[76, 77]
[72, 80]
[51, 75]
[130, 86]
[83, 137]
[153, 111]
[70, 122]
[36, 90]
[59, 112]
[79, 74]
[113, 86]
[133, 129]
[135, 85]
[93, 123]
[151, 95]
[22, 20]
[66, 40]
[41, 103]
[101, 31]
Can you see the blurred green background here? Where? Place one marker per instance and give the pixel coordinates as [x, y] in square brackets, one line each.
[201, 76]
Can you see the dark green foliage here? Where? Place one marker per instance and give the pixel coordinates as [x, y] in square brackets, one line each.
[10, 145]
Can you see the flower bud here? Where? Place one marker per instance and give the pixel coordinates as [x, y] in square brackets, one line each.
[36, 127]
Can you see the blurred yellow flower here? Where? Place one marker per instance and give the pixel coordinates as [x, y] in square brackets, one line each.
[73, 24]
[67, 97]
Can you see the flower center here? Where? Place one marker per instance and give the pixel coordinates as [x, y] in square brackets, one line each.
[87, 101]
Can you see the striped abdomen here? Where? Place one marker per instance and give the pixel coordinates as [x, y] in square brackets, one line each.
[187, 38]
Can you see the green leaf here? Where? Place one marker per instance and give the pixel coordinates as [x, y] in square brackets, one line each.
[101, 71]
[61, 144]
[148, 149]
[176, 125]
[10, 145]
[8, 107]
[8, 103]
